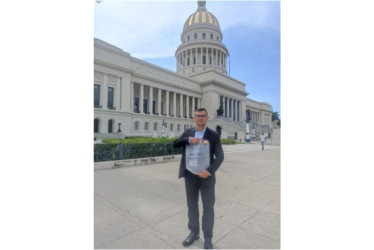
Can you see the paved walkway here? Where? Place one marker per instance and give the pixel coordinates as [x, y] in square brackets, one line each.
[145, 206]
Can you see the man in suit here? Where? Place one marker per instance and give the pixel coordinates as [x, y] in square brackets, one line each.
[203, 181]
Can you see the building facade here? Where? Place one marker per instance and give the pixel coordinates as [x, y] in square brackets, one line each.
[136, 98]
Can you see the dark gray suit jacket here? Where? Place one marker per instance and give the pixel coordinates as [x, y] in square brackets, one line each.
[216, 152]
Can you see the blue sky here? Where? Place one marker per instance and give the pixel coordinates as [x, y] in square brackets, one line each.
[150, 30]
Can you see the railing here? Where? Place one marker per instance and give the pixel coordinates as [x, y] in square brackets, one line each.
[113, 152]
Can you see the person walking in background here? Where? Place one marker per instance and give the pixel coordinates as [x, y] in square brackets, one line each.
[263, 138]
[203, 181]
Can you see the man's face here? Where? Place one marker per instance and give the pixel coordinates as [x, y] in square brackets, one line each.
[201, 118]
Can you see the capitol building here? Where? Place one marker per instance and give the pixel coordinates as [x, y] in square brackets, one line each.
[135, 98]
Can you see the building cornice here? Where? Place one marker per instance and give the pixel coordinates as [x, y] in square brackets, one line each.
[108, 47]
[213, 82]
[156, 80]
[221, 74]
[113, 66]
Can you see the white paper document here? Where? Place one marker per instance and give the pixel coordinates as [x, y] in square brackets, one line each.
[197, 157]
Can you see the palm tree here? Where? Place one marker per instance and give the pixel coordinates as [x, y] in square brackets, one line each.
[274, 116]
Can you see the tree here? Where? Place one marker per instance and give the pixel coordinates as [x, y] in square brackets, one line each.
[275, 116]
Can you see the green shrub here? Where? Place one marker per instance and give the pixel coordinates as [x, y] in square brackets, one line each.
[138, 139]
[134, 147]
[228, 141]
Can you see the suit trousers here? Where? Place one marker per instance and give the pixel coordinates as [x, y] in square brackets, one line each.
[206, 186]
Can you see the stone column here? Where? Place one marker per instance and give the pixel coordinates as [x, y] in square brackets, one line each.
[104, 92]
[181, 105]
[167, 102]
[118, 94]
[141, 99]
[187, 106]
[124, 102]
[159, 102]
[132, 96]
[150, 104]
[193, 106]
[239, 109]
[201, 55]
[217, 57]
[175, 104]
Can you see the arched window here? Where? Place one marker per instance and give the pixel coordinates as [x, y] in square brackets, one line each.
[96, 125]
[211, 36]
[195, 36]
[204, 35]
[136, 125]
[110, 126]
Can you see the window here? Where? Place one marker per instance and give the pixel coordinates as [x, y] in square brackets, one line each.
[194, 60]
[210, 60]
[204, 35]
[136, 125]
[96, 95]
[155, 126]
[211, 36]
[96, 126]
[171, 127]
[188, 38]
[110, 126]
[146, 126]
[195, 36]
[203, 59]
[110, 97]
[154, 107]
[178, 127]
[188, 61]
[136, 104]
[145, 106]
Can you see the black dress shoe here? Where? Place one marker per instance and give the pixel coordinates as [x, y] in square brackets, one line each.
[208, 243]
[190, 239]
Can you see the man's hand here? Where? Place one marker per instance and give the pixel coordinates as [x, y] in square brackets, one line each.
[203, 174]
[195, 140]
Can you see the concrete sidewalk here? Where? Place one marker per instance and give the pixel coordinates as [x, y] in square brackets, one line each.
[145, 206]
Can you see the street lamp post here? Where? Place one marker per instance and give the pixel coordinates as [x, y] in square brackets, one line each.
[164, 126]
[119, 132]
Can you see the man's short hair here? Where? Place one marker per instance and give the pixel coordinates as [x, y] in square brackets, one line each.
[201, 109]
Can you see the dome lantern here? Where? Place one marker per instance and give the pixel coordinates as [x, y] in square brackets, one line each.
[201, 5]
